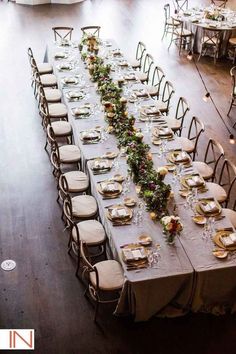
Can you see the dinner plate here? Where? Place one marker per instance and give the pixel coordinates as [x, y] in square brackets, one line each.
[74, 95]
[90, 136]
[81, 111]
[145, 240]
[130, 202]
[110, 155]
[128, 216]
[170, 167]
[201, 212]
[150, 110]
[162, 133]
[184, 182]
[117, 192]
[64, 67]
[70, 81]
[118, 178]
[156, 142]
[216, 239]
[199, 219]
[105, 165]
[172, 158]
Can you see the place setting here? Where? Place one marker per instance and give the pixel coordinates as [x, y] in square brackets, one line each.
[100, 166]
[69, 81]
[81, 112]
[75, 95]
[66, 66]
[90, 136]
[109, 189]
[119, 215]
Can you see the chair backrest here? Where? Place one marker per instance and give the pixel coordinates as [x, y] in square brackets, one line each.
[141, 48]
[64, 188]
[227, 178]
[168, 91]
[91, 30]
[67, 209]
[181, 110]
[157, 78]
[61, 32]
[220, 3]
[233, 78]
[212, 37]
[30, 55]
[181, 5]
[147, 64]
[167, 11]
[196, 128]
[213, 154]
[87, 263]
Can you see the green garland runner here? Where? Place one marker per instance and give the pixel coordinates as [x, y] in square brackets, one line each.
[152, 188]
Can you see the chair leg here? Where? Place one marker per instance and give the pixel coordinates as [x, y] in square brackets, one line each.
[96, 310]
[231, 105]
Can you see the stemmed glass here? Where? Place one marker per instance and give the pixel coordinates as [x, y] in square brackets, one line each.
[154, 256]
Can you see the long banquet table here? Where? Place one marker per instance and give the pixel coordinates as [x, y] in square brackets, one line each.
[187, 276]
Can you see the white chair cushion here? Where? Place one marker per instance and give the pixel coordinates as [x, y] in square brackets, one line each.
[52, 95]
[141, 76]
[90, 231]
[44, 68]
[231, 215]
[203, 169]
[110, 275]
[232, 41]
[61, 128]
[186, 144]
[216, 191]
[183, 33]
[173, 123]
[69, 153]
[77, 181]
[134, 63]
[57, 110]
[152, 90]
[48, 80]
[84, 206]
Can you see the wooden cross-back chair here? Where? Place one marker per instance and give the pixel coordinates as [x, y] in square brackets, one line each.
[180, 5]
[140, 50]
[233, 93]
[155, 81]
[210, 42]
[164, 101]
[220, 3]
[91, 30]
[168, 24]
[176, 123]
[62, 32]
[181, 36]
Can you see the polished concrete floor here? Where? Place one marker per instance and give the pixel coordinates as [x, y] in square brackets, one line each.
[42, 292]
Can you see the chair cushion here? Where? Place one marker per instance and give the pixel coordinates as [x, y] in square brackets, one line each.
[183, 33]
[77, 181]
[152, 90]
[90, 231]
[52, 95]
[232, 41]
[217, 191]
[61, 128]
[141, 76]
[84, 206]
[134, 63]
[48, 80]
[231, 215]
[69, 153]
[173, 123]
[44, 68]
[110, 275]
[57, 110]
[186, 144]
[203, 169]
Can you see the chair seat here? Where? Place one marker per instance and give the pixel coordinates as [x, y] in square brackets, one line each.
[48, 80]
[173, 123]
[69, 153]
[152, 90]
[173, 23]
[135, 63]
[232, 41]
[52, 95]
[186, 144]
[162, 106]
[110, 275]
[183, 33]
[217, 191]
[203, 169]
[141, 76]
[61, 128]
[57, 110]
[231, 215]
[90, 231]
[44, 68]
[206, 40]
[77, 181]
[84, 206]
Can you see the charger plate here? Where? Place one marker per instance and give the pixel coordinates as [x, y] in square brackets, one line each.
[216, 239]
[201, 212]
[110, 193]
[129, 213]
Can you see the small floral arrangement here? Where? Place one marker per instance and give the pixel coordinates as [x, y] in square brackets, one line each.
[172, 226]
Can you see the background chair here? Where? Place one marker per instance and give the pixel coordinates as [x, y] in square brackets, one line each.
[61, 33]
[180, 5]
[155, 81]
[233, 94]
[141, 49]
[169, 25]
[163, 103]
[220, 3]
[210, 42]
[146, 64]
[181, 36]
[91, 30]
[232, 49]
[103, 278]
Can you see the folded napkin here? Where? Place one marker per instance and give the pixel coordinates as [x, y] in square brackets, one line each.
[164, 131]
[130, 77]
[60, 55]
[181, 156]
[90, 135]
[151, 110]
[140, 93]
[109, 187]
[209, 207]
[65, 66]
[123, 63]
[75, 94]
[81, 111]
[228, 240]
[99, 165]
[134, 254]
[70, 80]
[195, 181]
[118, 213]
